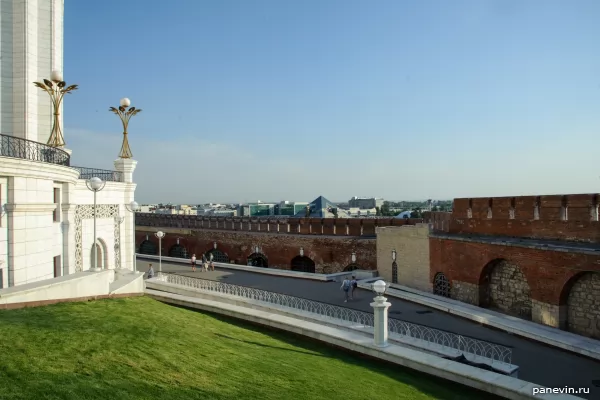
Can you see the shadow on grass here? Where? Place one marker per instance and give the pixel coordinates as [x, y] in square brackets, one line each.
[428, 384]
[267, 346]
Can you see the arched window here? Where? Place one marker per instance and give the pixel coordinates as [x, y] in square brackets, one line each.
[441, 285]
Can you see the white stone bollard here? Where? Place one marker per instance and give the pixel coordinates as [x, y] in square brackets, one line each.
[380, 312]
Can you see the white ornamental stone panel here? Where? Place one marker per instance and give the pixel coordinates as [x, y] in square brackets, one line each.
[87, 212]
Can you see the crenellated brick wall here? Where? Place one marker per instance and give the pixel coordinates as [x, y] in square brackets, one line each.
[537, 257]
[303, 226]
[572, 217]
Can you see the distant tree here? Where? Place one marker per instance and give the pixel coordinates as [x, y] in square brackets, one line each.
[307, 211]
[416, 213]
[377, 211]
[385, 209]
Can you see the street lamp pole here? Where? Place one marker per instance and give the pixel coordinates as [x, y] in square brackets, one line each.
[125, 115]
[95, 184]
[160, 235]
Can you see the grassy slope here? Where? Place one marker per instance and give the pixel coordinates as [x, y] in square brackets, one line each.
[141, 349]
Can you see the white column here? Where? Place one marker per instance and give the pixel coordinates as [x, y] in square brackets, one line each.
[127, 166]
[380, 311]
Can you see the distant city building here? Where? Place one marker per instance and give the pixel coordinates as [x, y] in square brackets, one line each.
[365, 202]
[361, 212]
[258, 209]
[322, 208]
[290, 208]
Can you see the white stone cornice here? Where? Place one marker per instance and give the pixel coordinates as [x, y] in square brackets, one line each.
[30, 207]
[31, 169]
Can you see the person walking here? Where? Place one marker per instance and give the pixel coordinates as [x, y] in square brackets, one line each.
[193, 259]
[346, 288]
[353, 286]
[150, 273]
[205, 266]
[212, 265]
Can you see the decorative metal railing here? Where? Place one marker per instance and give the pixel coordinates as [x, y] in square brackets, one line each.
[12, 146]
[104, 174]
[465, 344]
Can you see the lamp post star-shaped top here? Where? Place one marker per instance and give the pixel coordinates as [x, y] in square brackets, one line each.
[56, 88]
[125, 115]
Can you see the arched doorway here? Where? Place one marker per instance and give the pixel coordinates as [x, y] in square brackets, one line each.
[99, 254]
[581, 295]
[218, 256]
[303, 264]
[147, 247]
[441, 285]
[394, 272]
[258, 260]
[178, 251]
[503, 287]
[351, 267]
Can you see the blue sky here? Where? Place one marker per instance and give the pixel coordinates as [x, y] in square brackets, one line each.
[274, 100]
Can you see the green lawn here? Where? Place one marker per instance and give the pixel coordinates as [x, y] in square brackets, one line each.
[139, 348]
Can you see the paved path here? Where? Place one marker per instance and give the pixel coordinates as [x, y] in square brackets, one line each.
[538, 363]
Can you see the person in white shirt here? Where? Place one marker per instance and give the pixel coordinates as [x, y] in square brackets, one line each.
[346, 288]
[193, 263]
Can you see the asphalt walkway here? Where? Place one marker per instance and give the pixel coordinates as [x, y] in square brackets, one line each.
[538, 363]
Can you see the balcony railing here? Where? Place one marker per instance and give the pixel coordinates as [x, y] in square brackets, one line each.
[12, 146]
[104, 174]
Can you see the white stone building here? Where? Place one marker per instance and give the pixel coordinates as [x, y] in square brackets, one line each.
[46, 214]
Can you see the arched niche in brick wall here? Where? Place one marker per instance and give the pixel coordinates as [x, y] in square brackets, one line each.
[178, 251]
[148, 247]
[218, 256]
[258, 260]
[303, 264]
[351, 267]
[504, 287]
[580, 298]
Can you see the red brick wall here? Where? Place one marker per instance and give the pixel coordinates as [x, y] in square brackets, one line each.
[560, 217]
[332, 252]
[304, 226]
[547, 272]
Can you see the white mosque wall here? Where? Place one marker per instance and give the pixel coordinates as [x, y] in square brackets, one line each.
[46, 227]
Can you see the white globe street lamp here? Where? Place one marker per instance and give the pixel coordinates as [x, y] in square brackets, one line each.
[160, 235]
[379, 287]
[56, 76]
[95, 184]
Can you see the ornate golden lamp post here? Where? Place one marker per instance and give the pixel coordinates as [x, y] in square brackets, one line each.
[125, 116]
[55, 87]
